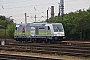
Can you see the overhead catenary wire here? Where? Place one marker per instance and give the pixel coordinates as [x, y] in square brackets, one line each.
[11, 8]
[65, 7]
[27, 1]
[29, 5]
[43, 5]
[9, 2]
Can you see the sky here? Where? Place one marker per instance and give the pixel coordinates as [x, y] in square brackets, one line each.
[16, 9]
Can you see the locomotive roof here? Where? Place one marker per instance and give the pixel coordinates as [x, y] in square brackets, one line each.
[36, 24]
[17, 25]
[45, 23]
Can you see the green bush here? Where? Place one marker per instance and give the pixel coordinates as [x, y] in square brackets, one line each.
[2, 33]
[10, 30]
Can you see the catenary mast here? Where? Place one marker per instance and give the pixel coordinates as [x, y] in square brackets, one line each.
[61, 8]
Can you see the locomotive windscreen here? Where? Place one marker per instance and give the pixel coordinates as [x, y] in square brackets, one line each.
[58, 28]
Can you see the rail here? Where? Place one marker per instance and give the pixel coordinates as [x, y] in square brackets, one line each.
[22, 57]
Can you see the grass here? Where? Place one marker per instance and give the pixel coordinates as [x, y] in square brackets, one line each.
[88, 58]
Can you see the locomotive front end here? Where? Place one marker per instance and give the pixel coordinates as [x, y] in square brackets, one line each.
[58, 31]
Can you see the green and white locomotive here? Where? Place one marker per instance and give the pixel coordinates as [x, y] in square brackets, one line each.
[39, 32]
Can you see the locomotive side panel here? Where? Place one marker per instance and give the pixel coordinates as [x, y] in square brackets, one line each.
[39, 32]
[22, 32]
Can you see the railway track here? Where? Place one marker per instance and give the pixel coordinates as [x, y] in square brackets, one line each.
[22, 57]
[71, 50]
[73, 42]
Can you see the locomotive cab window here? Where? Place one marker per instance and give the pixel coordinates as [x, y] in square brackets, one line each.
[16, 28]
[57, 28]
[48, 28]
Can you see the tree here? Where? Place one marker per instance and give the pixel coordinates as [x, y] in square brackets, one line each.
[10, 30]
